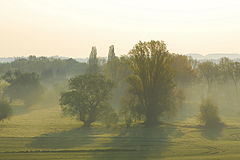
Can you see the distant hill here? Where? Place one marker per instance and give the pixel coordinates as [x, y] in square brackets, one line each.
[214, 56]
[7, 59]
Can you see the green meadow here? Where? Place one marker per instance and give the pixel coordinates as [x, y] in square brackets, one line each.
[43, 133]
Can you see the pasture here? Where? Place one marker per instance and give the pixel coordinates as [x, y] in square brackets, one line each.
[43, 133]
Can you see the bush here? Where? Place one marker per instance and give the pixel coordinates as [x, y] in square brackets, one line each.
[209, 114]
[5, 110]
[109, 117]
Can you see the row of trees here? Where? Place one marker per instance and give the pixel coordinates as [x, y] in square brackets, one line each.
[224, 71]
[148, 82]
[48, 69]
[151, 90]
[144, 85]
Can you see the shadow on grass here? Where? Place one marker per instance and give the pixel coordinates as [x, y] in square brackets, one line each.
[212, 133]
[139, 143]
[20, 110]
[101, 143]
[67, 139]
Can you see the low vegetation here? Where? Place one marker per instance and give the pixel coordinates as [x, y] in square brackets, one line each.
[209, 115]
[5, 110]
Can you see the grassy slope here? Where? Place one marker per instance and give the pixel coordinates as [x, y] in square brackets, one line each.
[44, 134]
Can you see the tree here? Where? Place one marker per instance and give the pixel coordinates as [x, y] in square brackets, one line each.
[112, 65]
[24, 86]
[3, 87]
[151, 83]
[184, 71]
[93, 67]
[5, 109]
[230, 70]
[50, 69]
[210, 72]
[87, 97]
[111, 53]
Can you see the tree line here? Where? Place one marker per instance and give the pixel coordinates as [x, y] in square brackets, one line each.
[142, 86]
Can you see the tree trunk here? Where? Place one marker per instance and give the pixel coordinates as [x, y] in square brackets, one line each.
[87, 124]
[151, 120]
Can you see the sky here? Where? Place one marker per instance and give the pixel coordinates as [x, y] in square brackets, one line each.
[71, 27]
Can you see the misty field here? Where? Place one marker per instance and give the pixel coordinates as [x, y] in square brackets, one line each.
[150, 104]
[119, 80]
[42, 133]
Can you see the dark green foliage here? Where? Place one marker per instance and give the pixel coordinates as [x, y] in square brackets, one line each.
[87, 97]
[24, 86]
[209, 114]
[5, 110]
[151, 85]
[109, 117]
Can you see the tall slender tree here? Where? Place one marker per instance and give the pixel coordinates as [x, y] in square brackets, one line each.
[93, 67]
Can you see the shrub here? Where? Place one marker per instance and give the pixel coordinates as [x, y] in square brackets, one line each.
[110, 118]
[209, 114]
[5, 110]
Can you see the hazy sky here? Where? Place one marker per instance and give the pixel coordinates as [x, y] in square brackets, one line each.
[71, 27]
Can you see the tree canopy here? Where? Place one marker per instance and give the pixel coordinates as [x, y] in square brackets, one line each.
[151, 84]
[87, 97]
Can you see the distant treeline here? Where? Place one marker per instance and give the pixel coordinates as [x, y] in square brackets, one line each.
[46, 68]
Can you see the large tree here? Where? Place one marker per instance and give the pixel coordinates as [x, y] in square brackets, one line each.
[151, 84]
[87, 97]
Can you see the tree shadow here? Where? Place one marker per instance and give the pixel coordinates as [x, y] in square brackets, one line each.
[67, 139]
[211, 133]
[139, 143]
[20, 110]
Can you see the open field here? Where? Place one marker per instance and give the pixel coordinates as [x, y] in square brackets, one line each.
[44, 134]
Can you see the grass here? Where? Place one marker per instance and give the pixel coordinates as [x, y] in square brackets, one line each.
[42, 134]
